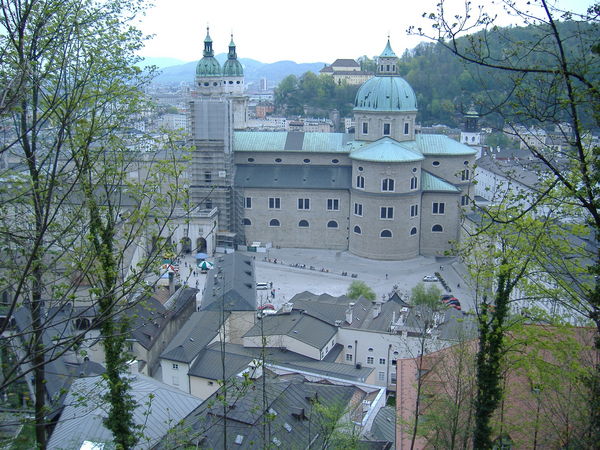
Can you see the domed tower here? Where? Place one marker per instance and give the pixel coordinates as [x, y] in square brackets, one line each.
[208, 70]
[471, 134]
[233, 72]
[385, 105]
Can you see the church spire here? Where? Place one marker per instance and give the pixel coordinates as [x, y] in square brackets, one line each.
[208, 50]
[232, 54]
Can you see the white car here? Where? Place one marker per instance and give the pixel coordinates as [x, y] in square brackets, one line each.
[430, 278]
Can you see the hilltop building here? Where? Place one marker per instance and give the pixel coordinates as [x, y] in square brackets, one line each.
[347, 70]
[383, 192]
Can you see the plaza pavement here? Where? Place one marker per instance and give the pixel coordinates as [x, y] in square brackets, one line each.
[289, 278]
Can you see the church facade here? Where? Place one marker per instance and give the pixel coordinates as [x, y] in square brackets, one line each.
[383, 192]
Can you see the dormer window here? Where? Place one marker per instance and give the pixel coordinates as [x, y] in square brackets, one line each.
[365, 128]
[386, 129]
[405, 127]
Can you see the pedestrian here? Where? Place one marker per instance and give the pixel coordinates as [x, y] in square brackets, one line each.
[272, 293]
[386, 276]
[271, 284]
[458, 285]
[196, 284]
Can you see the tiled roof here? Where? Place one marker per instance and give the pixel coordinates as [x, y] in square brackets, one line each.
[345, 63]
[288, 176]
[439, 144]
[230, 284]
[386, 150]
[196, 333]
[288, 404]
[430, 182]
[296, 325]
[159, 407]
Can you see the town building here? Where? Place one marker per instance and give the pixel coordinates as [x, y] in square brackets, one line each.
[384, 192]
[346, 70]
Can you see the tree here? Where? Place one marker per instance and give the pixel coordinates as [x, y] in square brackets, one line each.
[72, 211]
[359, 289]
[550, 88]
[427, 296]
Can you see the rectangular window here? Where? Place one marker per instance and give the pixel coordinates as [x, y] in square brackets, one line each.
[387, 212]
[360, 182]
[365, 128]
[464, 200]
[349, 357]
[381, 376]
[303, 203]
[414, 210]
[438, 208]
[464, 176]
[369, 360]
[274, 203]
[207, 177]
[175, 366]
[386, 129]
[405, 127]
[387, 184]
[248, 202]
[393, 377]
[333, 204]
[358, 209]
[381, 360]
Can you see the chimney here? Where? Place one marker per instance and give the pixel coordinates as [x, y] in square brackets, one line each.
[376, 310]
[349, 312]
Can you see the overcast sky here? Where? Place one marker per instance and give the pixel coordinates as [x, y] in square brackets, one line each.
[302, 31]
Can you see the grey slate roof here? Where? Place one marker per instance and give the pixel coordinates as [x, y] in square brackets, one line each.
[148, 319]
[198, 331]
[285, 396]
[289, 176]
[230, 284]
[304, 328]
[209, 364]
[85, 409]
[384, 425]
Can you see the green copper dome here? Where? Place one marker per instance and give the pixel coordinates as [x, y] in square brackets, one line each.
[385, 93]
[208, 66]
[232, 67]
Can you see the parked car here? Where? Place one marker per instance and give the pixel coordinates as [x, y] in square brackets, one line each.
[430, 278]
[262, 286]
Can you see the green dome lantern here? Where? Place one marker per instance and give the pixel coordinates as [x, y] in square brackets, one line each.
[232, 67]
[208, 66]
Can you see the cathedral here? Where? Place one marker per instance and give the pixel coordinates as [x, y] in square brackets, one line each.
[384, 192]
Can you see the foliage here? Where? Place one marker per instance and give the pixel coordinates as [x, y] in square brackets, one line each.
[428, 296]
[318, 93]
[359, 289]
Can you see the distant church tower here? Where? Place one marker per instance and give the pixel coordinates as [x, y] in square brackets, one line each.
[471, 134]
[218, 106]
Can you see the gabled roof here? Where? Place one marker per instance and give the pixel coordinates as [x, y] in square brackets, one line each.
[439, 144]
[386, 150]
[196, 333]
[230, 284]
[288, 405]
[159, 407]
[345, 63]
[296, 325]
[431, 183]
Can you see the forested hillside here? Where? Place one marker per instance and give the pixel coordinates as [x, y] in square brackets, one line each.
[445, 86]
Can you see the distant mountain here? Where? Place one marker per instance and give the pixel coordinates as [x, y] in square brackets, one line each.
[253, 70]
[161, 62]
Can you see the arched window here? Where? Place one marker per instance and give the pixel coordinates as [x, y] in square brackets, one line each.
[437, 228]
[413, 183]
[357, 230]
[332, 224]
[387, 184]
[360, 182]
[413, 231]
[246, 222]
[385, 234]
[274, 223]
[303, 223]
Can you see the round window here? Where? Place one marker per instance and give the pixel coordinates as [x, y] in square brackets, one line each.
[414, 169]
[306, 160]
[250, 159]
[277, 160]
[435, 163]
[466, 163]
[360, 169]
[335, 161]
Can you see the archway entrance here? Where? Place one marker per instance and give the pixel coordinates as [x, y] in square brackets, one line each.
[201, 245]
[186, 245]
